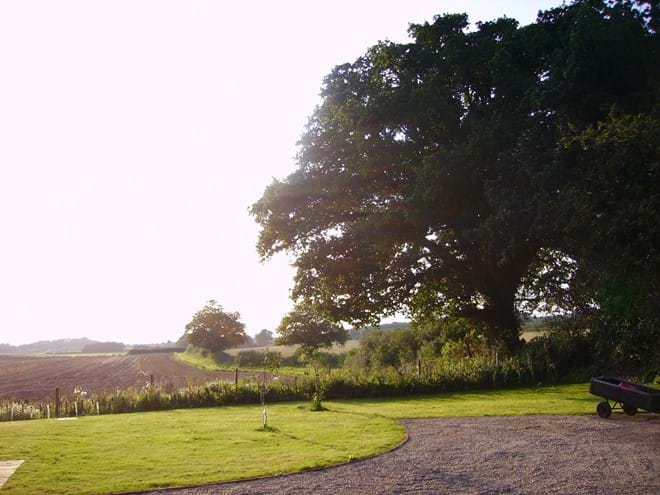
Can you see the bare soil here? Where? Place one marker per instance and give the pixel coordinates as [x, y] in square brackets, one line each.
[34, 378]
[490, 455]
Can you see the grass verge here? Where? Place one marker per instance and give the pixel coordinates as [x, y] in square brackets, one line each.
[196, 359]
[560, 399]
[289, 350]
[184, 447]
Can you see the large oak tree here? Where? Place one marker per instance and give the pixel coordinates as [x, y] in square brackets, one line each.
[429, 177]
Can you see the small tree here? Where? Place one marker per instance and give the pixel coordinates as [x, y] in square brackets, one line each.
[264, 338]
[271, 361]
[214, 329]
[312, 332]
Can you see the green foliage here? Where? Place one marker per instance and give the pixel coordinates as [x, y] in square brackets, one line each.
[451, 354]
[256, 359]
[420, 359]
[264, 338]
[291, 364]
[159, 398]
[405, 349]
[449, 148]
[214, 329]
[323, 359]
[408, 361]
[306, 328]
[615, 235]
[443, 375]
[318, 395]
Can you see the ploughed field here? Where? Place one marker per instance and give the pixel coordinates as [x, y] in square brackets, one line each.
[34, 378]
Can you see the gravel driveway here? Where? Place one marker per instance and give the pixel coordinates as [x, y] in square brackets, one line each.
[487, 455]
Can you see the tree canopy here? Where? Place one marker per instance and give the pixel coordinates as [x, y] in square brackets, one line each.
[436, 175]
[611, 215]
[263, 338]
[308, 330]
[215, 330]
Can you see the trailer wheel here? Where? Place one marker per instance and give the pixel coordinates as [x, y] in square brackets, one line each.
[604, 409]
[629, 410]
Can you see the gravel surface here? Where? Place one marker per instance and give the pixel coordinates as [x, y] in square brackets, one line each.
[487, 455]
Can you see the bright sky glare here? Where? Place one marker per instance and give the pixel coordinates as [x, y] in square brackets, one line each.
[135, 134]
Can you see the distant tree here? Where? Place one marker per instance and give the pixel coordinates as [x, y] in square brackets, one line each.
[214, 329]
[104, 347]
[7, 348]
[264, 338]
[249, 341]
[312, 332]
[182, 341]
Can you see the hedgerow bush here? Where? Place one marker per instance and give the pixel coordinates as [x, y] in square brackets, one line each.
[438, 376]
[385, 365]
[156, 399]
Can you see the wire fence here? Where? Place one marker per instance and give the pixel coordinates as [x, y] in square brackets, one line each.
[152, 397]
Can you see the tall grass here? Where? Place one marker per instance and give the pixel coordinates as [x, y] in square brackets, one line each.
[155, 399]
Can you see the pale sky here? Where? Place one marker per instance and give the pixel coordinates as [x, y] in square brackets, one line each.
[135, 134]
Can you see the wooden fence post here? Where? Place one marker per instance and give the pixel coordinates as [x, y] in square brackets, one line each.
[57, 402]
[236, 378]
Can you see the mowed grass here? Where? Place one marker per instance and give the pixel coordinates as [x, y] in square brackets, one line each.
[289, 350]
[561, 399]
[209, 364]
[124, 452]
[115, 453]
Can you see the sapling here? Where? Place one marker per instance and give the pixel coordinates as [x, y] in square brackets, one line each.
[271, 362]
[306, 327]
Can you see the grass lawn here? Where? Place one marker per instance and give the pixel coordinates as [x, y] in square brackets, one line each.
[208, 363]
[289, 350]
[562, 399]
[123, 452]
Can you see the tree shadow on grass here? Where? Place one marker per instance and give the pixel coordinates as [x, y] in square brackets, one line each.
[272, 429]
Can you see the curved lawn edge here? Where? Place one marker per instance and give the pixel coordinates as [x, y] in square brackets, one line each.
[553, 400]
[228, 448]
[502, 454]
[174, 489]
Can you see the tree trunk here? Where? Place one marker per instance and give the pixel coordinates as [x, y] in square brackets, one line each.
[502, 316]
[507, 328]
[503, 325]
